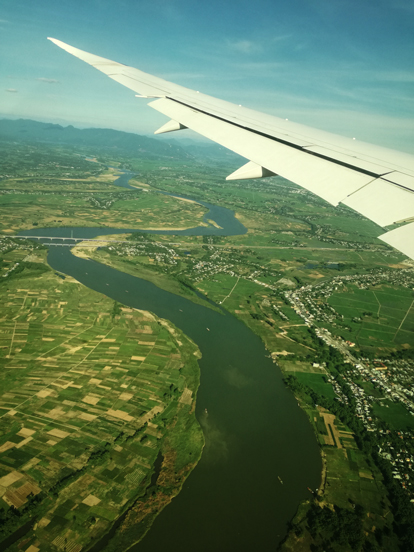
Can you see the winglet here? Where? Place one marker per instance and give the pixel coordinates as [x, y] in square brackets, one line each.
[105, 65]
[64, 46]
[146, 85]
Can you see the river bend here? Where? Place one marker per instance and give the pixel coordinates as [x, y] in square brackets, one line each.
[261, 454]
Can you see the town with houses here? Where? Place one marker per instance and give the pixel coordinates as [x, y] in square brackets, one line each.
[392, 379]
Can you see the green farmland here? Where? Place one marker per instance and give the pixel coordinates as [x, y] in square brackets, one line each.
[92, 394]
[317, 383]
[97, 400]
[395, 414]
[379, 317]
[54, 187]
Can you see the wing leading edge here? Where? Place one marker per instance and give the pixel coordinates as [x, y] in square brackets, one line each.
[375, 181]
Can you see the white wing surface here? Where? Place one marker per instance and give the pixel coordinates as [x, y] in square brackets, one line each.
[375, 181]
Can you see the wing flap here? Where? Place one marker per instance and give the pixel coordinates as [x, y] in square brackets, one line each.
[401, 238]
[248, 171]
[382, 202]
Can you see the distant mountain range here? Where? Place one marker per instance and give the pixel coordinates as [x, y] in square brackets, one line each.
[26, 130]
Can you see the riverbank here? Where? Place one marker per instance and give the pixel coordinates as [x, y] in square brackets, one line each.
[241, 388]
[244, 429]
[87, 250]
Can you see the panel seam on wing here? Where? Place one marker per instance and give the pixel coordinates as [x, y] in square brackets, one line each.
[359, 189]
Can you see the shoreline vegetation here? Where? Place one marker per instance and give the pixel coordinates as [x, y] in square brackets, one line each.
[86, 250]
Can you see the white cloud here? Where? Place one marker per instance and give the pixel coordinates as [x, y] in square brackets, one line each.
[279, 38]
[245, 46]
[252, 46]
[48, 81]
[394, 76]
[176, 77]
[260, 66]
[13, 90]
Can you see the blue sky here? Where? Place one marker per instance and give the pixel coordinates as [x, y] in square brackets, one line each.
[345, 66]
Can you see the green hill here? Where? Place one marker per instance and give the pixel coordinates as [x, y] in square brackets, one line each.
[26, 130]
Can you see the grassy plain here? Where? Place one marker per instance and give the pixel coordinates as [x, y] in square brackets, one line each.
[54, 194]
[92, 394]
[394, 414]
[382, 316]
[317, 382]
[106, 208]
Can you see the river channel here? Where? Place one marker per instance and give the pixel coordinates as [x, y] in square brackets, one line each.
[261, 454]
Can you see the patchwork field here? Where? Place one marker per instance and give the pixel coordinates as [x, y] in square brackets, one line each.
[97, 405]
[92, 394]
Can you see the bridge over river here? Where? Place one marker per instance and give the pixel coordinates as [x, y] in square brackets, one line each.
[71, 241]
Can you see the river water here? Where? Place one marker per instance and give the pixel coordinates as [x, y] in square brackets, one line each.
[224, 218]
[261, 453]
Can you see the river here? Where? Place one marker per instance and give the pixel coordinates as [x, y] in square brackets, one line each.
[261, 453]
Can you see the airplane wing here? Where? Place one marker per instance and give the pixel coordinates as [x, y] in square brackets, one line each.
[375, 181]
